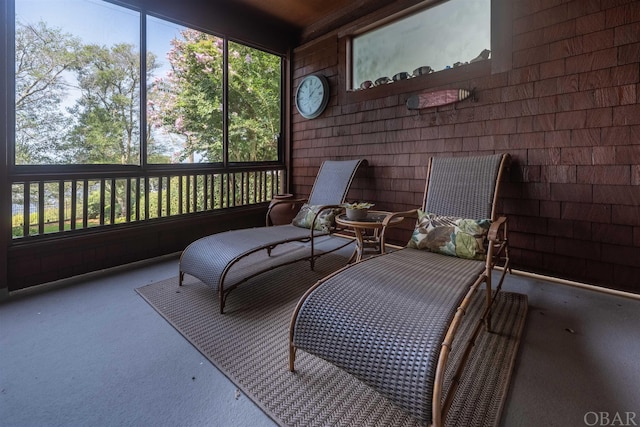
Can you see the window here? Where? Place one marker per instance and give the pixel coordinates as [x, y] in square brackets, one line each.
[78, 91]
[77, 83]
[446, 35]
[113, 125]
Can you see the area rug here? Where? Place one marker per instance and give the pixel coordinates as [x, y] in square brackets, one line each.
[249, 344]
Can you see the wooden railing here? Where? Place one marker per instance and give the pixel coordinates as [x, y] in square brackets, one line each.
[42, 206]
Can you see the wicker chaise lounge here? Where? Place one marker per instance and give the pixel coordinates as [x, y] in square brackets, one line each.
[390, 320]
[210, 258]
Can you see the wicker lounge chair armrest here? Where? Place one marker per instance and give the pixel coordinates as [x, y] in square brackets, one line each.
[407, 214]
[497, 230]
[387, 223]
[498, 244]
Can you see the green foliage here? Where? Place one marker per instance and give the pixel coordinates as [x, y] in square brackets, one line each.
[254, 104]
[107, 113]
[189, 101]
[103, 124]
[93, 205]
[43, 55]
[357, 205]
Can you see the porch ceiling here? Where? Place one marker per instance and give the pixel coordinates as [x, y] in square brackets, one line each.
[313, 18]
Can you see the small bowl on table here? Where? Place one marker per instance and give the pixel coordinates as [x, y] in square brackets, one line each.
[357, 214]
[357, 211]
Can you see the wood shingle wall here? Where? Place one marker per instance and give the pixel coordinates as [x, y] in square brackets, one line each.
[567, 110]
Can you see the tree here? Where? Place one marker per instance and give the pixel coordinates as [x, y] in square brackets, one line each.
[43, 57]
[254, 104]
[189, 100]
[100, 123]
[108, 110]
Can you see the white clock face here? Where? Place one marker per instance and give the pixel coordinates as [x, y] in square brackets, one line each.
[311, 97]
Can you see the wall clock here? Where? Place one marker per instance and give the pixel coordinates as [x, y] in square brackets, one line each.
[312, 96]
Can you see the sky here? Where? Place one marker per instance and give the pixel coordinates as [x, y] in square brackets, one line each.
[100, 22]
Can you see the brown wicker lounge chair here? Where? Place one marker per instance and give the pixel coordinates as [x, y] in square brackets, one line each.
[390, 320]
[210, 258]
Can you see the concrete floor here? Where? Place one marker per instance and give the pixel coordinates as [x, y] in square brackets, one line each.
[91, 352]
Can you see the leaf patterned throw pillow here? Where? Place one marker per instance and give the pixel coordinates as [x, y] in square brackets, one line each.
[459, 237]
[324, 222]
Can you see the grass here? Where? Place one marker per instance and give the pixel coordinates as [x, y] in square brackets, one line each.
[52, 227]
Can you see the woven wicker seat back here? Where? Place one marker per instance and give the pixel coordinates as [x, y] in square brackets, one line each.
[462, 186]
[210, 258]
[333, 181]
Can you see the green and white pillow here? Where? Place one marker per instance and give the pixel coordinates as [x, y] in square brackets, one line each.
[459, 237]
[324, 222]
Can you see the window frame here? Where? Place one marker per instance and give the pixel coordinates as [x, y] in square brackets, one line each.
[499, 61]
[48, 170]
